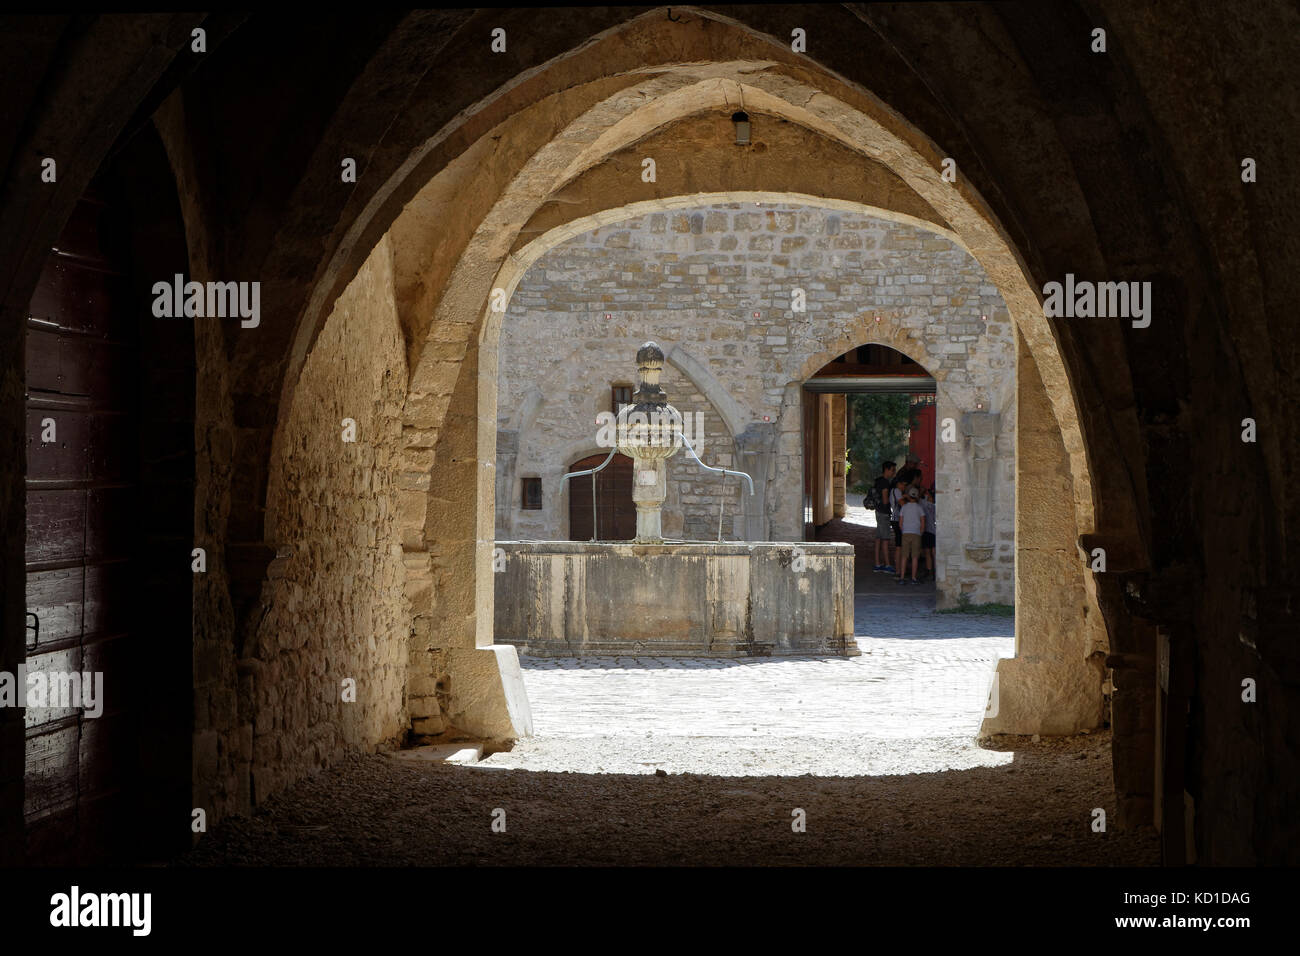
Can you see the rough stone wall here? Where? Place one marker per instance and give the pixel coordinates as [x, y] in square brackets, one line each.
[564, 431]
[716, 282]
[336, 602]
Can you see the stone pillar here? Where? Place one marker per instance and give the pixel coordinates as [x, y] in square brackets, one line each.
[980, 430]
[754, 457]
[1054, 683]
[457, 678]
[507, 443]
[839, 414]
[649, 488]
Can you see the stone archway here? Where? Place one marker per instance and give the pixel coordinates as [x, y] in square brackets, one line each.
[517, 263]
[452, 323]
[984, 414]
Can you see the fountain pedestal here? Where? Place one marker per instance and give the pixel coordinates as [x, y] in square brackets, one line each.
[649, 488]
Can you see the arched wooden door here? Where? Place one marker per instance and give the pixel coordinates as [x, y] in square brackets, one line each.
[615, 512]
[110, 526]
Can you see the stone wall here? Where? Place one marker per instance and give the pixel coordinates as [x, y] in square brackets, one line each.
[713, 285]
[335, 594]
[561, 430]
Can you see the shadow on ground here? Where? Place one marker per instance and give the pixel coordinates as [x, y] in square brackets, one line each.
[373, 810]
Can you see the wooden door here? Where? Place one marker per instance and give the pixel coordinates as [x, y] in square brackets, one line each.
[615, 511]
[82, 486]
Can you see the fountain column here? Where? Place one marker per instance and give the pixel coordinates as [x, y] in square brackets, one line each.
[649, 432]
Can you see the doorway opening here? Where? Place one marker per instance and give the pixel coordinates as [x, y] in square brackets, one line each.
[870, 407]
[612, 517]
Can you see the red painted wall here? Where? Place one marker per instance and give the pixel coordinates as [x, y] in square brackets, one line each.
[921, 442]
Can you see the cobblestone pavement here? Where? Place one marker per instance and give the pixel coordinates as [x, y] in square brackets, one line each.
[911, 703]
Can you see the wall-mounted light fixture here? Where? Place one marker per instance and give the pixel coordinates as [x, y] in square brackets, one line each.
[741, 119]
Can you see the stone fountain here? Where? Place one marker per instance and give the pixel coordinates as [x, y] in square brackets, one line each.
[651, 597]
[649, 432]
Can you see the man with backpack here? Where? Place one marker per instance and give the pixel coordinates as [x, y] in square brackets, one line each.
[881, 505]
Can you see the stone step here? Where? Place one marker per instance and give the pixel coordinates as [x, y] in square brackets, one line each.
[465, 752]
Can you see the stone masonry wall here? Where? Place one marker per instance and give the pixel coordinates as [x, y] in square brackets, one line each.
[716, 284]
[337, 605]
[563, 432]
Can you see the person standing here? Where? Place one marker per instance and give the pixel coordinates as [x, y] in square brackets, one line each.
[911, 519]
[884, 528]
[931, 527]
[897, 492]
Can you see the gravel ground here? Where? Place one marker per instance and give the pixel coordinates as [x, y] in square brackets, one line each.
[374, 810]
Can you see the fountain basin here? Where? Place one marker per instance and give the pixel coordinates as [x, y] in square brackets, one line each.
[675, 599]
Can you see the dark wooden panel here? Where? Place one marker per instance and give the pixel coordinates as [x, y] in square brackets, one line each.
[75, 296]
[108, 608]
[101, 370]
[113, 450]
[72, 365]
[44, 363]
[89, 235]
[53, 838]
[66, 661]
[111, 523]
[56, 525]
[52, 769]
[100, 366]
[64, 459]
[56, 597]
[106, 749]
[113, 659]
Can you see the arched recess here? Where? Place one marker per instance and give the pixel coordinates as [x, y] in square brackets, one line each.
[733, 416]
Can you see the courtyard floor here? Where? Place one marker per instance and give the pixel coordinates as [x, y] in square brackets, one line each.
[671, 761]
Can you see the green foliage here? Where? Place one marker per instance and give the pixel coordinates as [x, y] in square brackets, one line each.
[880, 430]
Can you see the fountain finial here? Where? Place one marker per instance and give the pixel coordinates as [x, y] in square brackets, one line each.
[650, 364]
